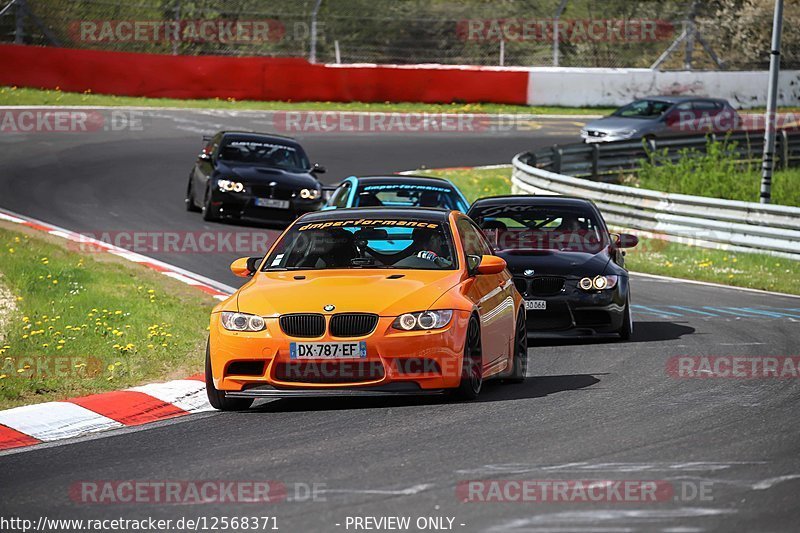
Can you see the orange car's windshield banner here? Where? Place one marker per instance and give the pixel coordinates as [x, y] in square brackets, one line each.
[369, 222]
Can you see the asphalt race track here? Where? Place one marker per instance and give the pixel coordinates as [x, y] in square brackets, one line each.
[599, 410]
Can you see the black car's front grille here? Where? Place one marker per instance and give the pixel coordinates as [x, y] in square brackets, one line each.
[303, 325]
[556, 317]
[352, 324]
[540, 286]
[521, 284]
[277, 192]
[546, 286]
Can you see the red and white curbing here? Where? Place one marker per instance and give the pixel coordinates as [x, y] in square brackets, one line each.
[52, 421]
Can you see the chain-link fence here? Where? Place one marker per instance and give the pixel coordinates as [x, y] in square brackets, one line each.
[669, 34]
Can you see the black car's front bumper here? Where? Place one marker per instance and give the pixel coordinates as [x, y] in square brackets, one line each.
[242, 206]
[575, 312]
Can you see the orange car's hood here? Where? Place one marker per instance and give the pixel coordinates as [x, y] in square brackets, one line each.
[363, 291]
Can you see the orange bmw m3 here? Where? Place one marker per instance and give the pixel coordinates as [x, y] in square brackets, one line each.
[368, 302]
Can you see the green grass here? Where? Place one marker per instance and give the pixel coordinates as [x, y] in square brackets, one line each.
[655, 256]
[32, 97]
[755, 271]
[715, 174]
[476, 183]
[87, 323]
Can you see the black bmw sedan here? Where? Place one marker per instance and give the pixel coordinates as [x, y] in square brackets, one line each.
[253, 176]
[567, 266]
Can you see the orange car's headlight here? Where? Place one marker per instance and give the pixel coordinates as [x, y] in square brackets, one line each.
[242, 322]
[423, 320]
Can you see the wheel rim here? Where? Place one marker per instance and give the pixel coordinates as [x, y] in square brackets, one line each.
[474, 360]
[522, 340]
[207, 201]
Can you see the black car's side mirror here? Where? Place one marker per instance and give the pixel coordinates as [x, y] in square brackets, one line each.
[318, 169]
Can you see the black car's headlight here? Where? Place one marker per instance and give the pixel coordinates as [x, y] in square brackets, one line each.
[242, 322]
[310, 194]
[230, 186]
[598, 283]
[423, 320]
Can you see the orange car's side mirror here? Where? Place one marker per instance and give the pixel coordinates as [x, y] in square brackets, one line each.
[491, 264]
[244, 267]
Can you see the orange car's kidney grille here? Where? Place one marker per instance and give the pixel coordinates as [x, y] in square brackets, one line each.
[352, 324]
[329, 372]
[303, 325]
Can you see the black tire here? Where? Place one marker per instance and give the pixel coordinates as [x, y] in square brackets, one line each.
[217, 398]
[520, 368]
[472, 366]
[626, 330]
[208, 215]
[190, 205]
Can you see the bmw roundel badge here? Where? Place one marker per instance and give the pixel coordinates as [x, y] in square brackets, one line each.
[329, 307]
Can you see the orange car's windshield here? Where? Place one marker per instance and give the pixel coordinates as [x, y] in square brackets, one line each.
[335, 244]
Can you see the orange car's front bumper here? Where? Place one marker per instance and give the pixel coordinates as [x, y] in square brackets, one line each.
[429, 360]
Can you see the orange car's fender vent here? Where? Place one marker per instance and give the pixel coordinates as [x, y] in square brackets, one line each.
[415, 366]
[245, 368]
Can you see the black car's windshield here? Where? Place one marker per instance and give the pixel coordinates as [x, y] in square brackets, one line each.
[409, 195]
[565, 228]
[364, 243]
[643, 109]
[263, 153]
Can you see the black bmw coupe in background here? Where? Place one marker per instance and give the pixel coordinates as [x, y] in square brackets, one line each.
[567, 266]
[253, 176]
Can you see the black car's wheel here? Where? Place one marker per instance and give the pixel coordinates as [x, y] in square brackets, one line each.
[216, 397]
[472, 366]
[520, 367]
[190, 205]
[626, 330]
[208, 213]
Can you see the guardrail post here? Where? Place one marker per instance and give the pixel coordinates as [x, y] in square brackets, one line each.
[784, 149]
[595, 161]
[558, 153]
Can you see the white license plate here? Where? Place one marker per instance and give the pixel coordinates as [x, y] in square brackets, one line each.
[535, 305]
[271, 202]
[328, 350]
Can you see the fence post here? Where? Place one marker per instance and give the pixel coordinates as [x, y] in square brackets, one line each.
[557, 155]
[19, 28]
[784, 141]
[595, 161]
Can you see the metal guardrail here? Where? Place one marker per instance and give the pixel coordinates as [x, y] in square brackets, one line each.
[695, 220]
[606, 161]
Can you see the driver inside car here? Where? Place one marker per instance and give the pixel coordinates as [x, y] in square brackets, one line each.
[430, 245]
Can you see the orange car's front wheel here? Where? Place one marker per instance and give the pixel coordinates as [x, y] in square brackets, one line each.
[217, 397]
[472, 366]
